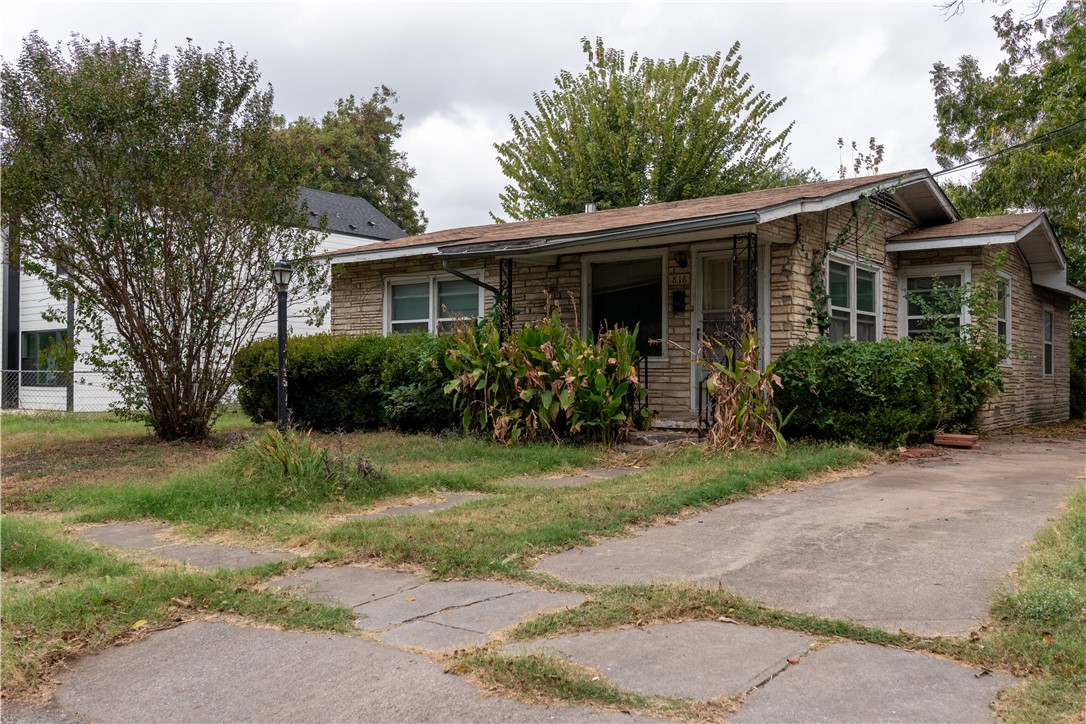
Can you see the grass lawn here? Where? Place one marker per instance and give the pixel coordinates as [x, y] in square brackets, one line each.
[62, 596]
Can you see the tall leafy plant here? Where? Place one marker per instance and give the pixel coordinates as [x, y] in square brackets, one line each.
[546, 381]
[744, 413]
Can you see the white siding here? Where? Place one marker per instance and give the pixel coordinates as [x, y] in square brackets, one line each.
[91, 395]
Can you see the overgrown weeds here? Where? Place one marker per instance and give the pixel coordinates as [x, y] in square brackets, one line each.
[744, 414]
[1039, 628]
[501, 535]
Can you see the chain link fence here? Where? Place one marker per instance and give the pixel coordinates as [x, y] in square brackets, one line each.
[78, 391]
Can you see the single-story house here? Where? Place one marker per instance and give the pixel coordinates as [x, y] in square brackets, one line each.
[678, 269]
[25, 330]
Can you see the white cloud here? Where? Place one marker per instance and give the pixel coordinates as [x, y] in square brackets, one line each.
[848, 69]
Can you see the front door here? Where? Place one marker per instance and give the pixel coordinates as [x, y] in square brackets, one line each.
[725, 285]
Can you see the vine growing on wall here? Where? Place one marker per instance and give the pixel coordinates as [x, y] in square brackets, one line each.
[860, 229]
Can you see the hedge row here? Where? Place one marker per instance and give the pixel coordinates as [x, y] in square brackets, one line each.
[879, 392]
[366, 382]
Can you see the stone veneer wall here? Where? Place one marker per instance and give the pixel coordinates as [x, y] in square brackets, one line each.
[1028, 396]
[357, 291]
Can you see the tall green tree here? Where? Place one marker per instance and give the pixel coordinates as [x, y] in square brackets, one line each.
[641, 131]
[1038, 91]
[352, 150]
[1031, 112]
[157, 186]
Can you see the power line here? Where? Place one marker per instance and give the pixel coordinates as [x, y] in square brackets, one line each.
[1008, 149]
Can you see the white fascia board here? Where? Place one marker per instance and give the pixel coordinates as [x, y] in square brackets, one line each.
[952, 242]
[334, 241]
[806, 206]
[1057, 282]
[377, 254]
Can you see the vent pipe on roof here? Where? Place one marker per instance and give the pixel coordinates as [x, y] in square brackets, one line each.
[589, 208]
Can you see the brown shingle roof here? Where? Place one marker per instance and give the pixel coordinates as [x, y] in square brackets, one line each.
[1004, 224]
[632, 217]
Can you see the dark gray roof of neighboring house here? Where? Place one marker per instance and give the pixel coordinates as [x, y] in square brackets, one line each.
[348, 215]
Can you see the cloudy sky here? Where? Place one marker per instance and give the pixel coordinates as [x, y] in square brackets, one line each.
[849, 70]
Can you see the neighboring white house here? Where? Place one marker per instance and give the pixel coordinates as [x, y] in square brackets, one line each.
[24, 330]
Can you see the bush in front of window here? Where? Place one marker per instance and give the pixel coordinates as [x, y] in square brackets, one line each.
[882, 393]
[364, 382]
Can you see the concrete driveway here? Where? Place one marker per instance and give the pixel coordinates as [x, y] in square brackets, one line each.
[918, 546]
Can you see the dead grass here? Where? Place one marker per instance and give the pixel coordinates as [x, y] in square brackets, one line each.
[106, 462]
[1070, 430]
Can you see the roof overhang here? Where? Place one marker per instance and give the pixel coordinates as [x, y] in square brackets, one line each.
[1036, 240]
[543, 246]
[376, 254]
[917, 193]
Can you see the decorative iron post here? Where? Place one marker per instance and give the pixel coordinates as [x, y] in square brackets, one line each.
[281, 273]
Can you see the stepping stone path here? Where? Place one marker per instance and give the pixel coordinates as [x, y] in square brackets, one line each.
[204, 671]
[696, 660]
[214, 672]
[410, 612]
[149, 539]
[849, 682]
[842, 682]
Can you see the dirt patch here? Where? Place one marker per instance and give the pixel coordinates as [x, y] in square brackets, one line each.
[1070, 430]
[424, 466]
[110, 461]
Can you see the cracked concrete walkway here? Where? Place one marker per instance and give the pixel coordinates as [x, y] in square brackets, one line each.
[784, 676]
[408, 611]
[916, 546]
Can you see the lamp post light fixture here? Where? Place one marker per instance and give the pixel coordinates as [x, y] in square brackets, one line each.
[281, 273]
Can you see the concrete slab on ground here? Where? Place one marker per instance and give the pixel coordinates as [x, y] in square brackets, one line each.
[694, 660]
[147, 538]
[855, 683]
[591, 475]
[496, 614]
[349, 585]
[449, 500]
[916, 546]
[428, 599]
[476, 624]
[213, 672]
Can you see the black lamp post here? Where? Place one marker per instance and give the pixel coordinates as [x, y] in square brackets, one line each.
[281, 273]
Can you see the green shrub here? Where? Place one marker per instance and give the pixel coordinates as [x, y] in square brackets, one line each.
[545, 381]
[363, 382]
[877, 392]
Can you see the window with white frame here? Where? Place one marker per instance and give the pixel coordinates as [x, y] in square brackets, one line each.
[1003, 313]
[429, 303]
[930, 294]
[1049, 350]
[853, 300]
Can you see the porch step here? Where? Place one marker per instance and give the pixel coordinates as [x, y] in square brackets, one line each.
[675, 424]
[661, 437]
